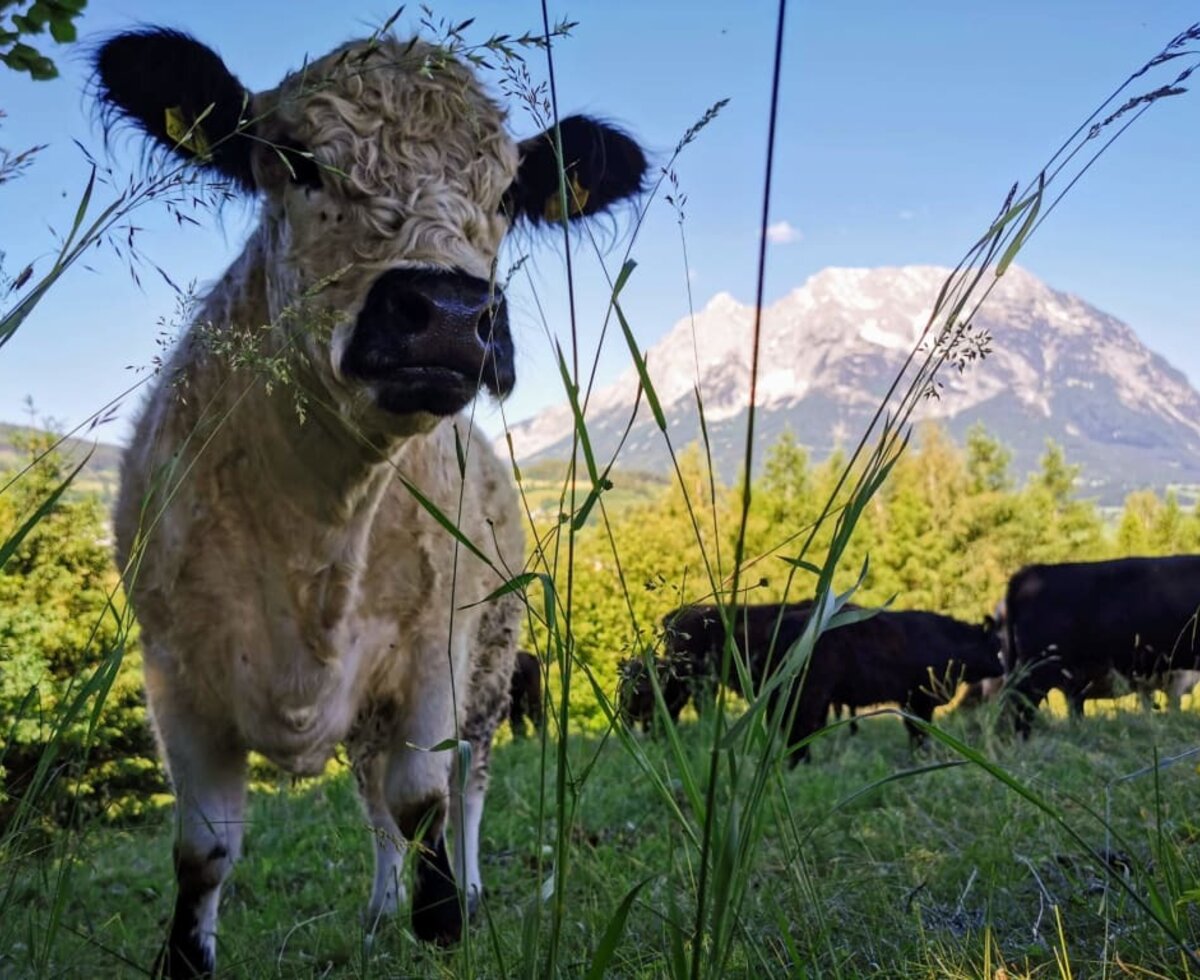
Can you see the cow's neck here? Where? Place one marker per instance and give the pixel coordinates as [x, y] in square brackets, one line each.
[329, 476]
[302, 478]
[307, 465]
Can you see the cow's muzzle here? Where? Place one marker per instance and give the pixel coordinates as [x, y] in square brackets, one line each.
[428, 340]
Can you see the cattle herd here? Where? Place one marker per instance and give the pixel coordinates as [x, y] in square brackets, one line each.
[1084, 628]
[284, 539]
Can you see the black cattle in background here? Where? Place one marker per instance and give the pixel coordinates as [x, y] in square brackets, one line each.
[837, 709]
[1070, 626]
[941, 652]
[915, 659]
[982, 692]
[636, 695]
[526, 692]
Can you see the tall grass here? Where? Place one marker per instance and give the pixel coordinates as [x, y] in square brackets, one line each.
[728, 798]
[729, 805]
[92, 226]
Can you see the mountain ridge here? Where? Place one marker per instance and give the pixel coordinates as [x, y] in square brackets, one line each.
[1059, 368]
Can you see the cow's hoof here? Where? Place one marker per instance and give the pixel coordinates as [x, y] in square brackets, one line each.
[438, 922]
[436, 911]
[183, 961]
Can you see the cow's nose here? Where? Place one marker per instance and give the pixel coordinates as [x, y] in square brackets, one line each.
[433, 337]
[415, 302]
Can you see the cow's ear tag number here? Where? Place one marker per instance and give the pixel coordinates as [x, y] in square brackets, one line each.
[189, 137]
[577, 198]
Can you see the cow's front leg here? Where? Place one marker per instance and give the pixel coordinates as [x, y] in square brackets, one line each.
[388, 892]
[466, 814]
[921, 704]
[417, 786]
[209, 780]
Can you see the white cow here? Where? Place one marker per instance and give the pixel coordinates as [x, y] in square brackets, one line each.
[293, 588]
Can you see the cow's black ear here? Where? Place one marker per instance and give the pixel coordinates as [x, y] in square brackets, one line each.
[179, 93]
[602, 165]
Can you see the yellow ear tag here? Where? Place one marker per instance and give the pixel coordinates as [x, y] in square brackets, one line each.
[189, 137]
[577, 197]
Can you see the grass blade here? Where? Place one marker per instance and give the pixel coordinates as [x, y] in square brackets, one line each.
[612, 933]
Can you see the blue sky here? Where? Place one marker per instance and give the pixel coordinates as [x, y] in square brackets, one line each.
[901, 128]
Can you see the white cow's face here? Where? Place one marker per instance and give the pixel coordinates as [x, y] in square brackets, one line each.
[384, 172]
[389, 155]
[388, 182]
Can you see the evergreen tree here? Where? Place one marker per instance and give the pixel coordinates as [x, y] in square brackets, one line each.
[1135, 532]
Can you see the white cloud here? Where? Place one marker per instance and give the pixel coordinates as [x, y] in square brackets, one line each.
[692, 275]
[782, 233]
[907, 215]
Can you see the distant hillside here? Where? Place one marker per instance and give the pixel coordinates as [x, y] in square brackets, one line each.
[99, 476]
[542, 487]
[1060, 369]
[541, 483]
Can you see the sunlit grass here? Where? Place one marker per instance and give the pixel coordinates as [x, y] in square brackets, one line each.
[918, 878]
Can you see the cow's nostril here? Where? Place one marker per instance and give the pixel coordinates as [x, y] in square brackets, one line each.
[409, 311]
[486, 325]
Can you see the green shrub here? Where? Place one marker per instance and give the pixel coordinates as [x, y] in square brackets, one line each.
[64, 636]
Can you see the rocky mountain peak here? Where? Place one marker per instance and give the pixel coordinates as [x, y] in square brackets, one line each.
[1059, 368]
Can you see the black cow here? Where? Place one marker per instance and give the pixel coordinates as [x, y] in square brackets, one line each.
[1069, 626]
[914, 658]
[636, 696]
[921, 669]
[940, 652]
[696, 635]
[526, 694]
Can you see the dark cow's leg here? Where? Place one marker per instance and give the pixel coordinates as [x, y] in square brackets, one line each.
[677, 692]
[516, 715]
[1026, 708]
[417, 789]
[1075, 700]
[1023, 700]
[533, 704]
[920, 703]
[810, 716]
[1144, 685]
[838, 708]
[436, 912]
[1079, 686]
[812, 701]
[209, 780]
